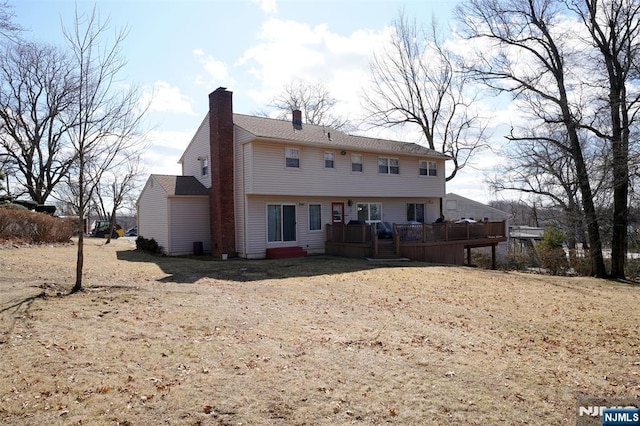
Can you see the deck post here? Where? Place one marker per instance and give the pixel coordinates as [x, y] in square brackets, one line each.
[396, 240]
[493, 256]
[468, 256]
[374, 237]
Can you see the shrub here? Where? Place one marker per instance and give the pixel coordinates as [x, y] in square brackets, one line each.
[581, 265]
[148, 245]
[552, 238]
[481, 259]
[517, 261]
[632, 269]
[22, 225]
[550, 251]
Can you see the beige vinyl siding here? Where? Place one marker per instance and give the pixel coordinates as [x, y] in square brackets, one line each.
[189, 224]
[256, 226]
[152, 213]
[312, 241]
[239, 167]
[269, 176]
[198, 148]
[241, 135]
[394, 210]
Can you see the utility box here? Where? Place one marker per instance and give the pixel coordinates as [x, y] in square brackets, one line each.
[197, 248]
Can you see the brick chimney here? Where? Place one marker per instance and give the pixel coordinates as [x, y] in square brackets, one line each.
[221, 199]
[296, 119]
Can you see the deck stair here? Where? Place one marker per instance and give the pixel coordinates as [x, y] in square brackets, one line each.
[386, 250]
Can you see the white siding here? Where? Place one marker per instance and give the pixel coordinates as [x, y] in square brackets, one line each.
[269, 176]
[198, 149]
[152, 213]
[189, 218]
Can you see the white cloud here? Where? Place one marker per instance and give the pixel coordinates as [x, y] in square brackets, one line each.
[267, 6]
[165, 98]
[165, 149]
[217, 71]
[290, 50]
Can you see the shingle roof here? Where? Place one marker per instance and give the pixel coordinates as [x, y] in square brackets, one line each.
[181, 185]
[269, 128]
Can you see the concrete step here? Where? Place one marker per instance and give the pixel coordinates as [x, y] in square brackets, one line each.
[285, 252]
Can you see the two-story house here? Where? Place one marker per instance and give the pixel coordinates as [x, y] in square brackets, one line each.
[252, 185]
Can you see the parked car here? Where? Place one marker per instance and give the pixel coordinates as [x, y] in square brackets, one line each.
[465, 220]
[132, 232]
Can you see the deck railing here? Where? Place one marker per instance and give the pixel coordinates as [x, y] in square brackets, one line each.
[419, 232]
[354, 233]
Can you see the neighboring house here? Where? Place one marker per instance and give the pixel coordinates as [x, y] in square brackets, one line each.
[457, 207]
[523, 239]
[275, 185]
[174, 210]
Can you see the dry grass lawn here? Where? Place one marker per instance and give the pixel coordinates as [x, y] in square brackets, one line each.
[321, 340]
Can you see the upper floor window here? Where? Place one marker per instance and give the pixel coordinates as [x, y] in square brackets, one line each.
[356, 162]
[292, 157]
[328, 160]
[428, 168]
[389, 166]
[204, 166]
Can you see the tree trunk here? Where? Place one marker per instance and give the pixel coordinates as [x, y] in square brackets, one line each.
[593, 230]
[79, 261]
[80, 258]
[620, 212]
[620, 150]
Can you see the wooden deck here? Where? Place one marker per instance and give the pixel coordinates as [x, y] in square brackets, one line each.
[443, 243]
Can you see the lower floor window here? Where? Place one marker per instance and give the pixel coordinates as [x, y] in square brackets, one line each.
[369, 212]
[281, 222]
[415, 212]
[315, 221]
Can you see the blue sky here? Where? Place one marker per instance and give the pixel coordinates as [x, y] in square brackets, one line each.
[182, 50]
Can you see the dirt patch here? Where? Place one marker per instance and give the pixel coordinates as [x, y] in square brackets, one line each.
[320, 340]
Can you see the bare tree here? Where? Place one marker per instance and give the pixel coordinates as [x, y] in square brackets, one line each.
[108, 118]
[416, 82]
[528, 54]
[543, 170]
[614, 27]
[313, 100]
[36, 95]
[8, 29]
[124, 180]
